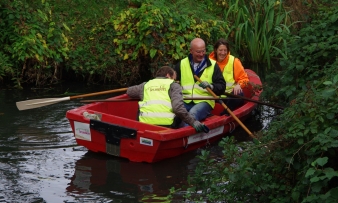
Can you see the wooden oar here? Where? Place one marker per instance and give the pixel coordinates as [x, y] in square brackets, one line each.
[109, 100]
[189, 98]
[36, 103]
[131, 99]
[225, 107]
[252, 100]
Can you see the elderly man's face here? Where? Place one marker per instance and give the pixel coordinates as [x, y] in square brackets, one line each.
[197, 51]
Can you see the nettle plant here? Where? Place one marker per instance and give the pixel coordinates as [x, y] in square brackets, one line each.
[309, 56]
[296, 159]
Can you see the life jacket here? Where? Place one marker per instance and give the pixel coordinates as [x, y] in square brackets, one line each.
[156, 105]
[228, 74]
[189, 87]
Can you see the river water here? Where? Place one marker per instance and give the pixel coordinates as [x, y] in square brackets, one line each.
[41, 162]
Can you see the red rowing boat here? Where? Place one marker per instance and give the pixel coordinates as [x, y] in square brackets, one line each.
[112, 128]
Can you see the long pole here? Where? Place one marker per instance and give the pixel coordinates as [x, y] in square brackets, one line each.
[225, 107]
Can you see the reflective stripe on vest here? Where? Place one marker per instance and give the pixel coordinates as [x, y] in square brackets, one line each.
[228, 74]
[192, 89]
[156, 111]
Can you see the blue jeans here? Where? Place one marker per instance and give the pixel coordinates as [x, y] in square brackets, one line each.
[199, 111]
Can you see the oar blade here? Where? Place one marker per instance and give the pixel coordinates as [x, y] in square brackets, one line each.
[36, 103]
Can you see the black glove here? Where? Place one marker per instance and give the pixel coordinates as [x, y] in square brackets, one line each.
[224, 112]
[205, 84]
[198, 126]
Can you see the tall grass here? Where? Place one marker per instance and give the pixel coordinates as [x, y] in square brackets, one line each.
[257, 29]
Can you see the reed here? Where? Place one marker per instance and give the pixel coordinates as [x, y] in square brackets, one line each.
[257, 30]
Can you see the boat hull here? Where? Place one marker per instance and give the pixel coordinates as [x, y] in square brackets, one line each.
[112, 128]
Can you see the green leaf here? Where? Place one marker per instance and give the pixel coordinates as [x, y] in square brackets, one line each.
[335, 79]
[65, 26]
[321, 161]
[289, 92]
[327, 130]
[153, 52]
[330, 116]
[334, 192]
[327, 83]
[256, 141]
[310, 172]
[329, 92]
[295, 195]
[314, 179]
[300, 141]
[316, 187]
[330, 173]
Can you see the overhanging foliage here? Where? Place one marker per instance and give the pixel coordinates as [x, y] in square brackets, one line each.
[296, 160]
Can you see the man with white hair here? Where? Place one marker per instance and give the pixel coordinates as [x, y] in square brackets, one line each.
[198, 63]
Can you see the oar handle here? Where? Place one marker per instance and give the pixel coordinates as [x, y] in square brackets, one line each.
[229, 111]
[252, 100]
[98, 93]
[109, 100]
[132, 99]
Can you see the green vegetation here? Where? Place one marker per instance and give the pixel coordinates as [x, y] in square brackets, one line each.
[258, 28]
[296, 160]
[38, 39]
[45, 42]
[159, 36]
[293, 42]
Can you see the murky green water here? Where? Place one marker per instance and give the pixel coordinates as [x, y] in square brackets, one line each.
[41, 162]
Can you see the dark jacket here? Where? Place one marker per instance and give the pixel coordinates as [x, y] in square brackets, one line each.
[217, 78]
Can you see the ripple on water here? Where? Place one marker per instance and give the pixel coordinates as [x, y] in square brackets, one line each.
[40, 128]
[36, 175]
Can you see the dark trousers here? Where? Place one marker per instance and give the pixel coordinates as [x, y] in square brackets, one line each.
[233, 103]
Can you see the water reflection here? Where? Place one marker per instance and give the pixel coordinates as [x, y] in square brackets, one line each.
[41, 162]
[40, 128]
[120, 179]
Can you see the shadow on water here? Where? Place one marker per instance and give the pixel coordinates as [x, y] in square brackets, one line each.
[41, 162]
[121, 180]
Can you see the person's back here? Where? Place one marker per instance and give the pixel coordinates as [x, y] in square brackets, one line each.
[156, 108]
[162, 101]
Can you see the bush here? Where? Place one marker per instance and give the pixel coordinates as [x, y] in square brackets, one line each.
[296, 159]
[34, 40]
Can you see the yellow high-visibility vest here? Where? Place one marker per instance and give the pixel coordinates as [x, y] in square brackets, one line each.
[156, 105]
[228, 74]
[192, 89]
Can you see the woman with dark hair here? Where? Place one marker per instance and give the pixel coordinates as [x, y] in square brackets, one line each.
[233, 72]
